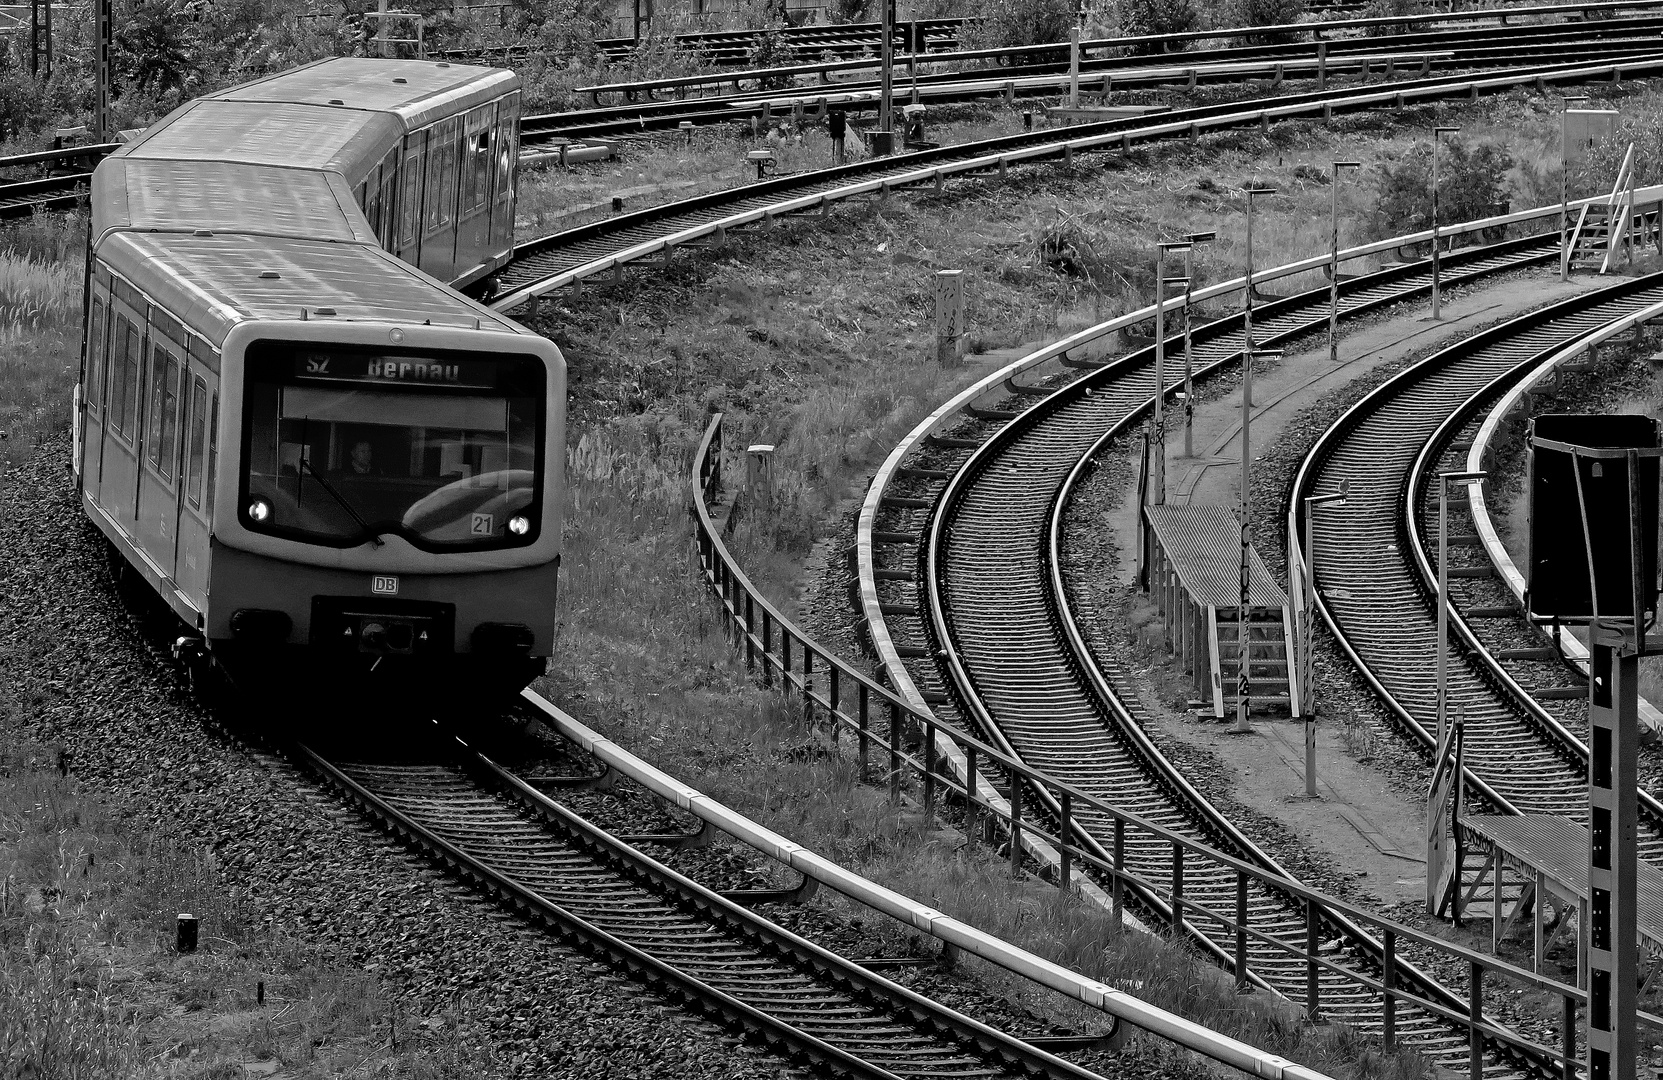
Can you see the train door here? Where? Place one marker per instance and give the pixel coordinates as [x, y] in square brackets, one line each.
[410, 175]
[196, 437]
[158, 511]
[438, 254]
[502, 182]
[93, 383]
[473, 211]
[119, 473]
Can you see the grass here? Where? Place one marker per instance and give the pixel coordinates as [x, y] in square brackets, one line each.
[41, 267]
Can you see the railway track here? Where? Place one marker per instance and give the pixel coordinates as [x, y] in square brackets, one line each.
[991, 601]
[1373, 562]
[565, 258]
[484, 822]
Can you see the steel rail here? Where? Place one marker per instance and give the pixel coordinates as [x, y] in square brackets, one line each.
[1377, 443]
[492, 826]
[988, 584]
[951, 932]
[776, 647]
[1142, 50]
[566, 258]
[1515, 404]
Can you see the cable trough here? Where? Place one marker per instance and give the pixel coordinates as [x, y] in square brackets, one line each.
[496, 828]
[1374, 571]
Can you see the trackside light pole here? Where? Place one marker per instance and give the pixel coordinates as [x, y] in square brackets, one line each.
[1247, 304]
[1191, 239]
[1334, 264]
[1157, 461]
[1307, 670]
[1444, 481]
[886, 91]
[1437, 243]
[1565, 104]
[1243, 651]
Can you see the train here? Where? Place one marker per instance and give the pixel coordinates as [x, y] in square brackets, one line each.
[290, 424]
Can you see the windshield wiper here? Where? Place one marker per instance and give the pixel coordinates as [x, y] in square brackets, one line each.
[306, 460]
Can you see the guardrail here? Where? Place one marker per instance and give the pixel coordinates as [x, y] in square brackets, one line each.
[1107, 47]
[880, 721]
[951, 932]
[1323, 105]
[1514, 405]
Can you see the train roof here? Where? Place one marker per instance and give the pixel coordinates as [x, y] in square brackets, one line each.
[269, 133]
[215, 281]
[225, 196]
[415, 90]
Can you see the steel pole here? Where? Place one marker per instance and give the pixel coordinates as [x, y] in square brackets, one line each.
[1189, 382]
[1435, 241]
[1308, 698]
[887, 87]
[1157, 463]
[1564, 195]
[1443, 605]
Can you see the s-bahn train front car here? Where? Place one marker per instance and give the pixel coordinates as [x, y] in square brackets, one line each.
[336, 470]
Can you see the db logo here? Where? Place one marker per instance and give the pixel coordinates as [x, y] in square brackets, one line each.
[384, 585]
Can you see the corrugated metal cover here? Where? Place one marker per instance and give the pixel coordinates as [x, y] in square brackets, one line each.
[259, 133]
[365, 83]
[1558, 847]
[215, 280]
[1204, 544]
[225, 196]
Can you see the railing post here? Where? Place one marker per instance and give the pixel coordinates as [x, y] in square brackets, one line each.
[750, 629]
[1569, 1064]
[862, 728]
[1064, 829]
[767, 648]
[1117, 888]
[1388, 981]
[1016, 824]
[808, 683]
[1241, 932]
[971, 815]
[1475, 1019]
[1312, 943]
[894, 754]
[1177, 889]
[834, 699]
[929, 772]
[785, 661]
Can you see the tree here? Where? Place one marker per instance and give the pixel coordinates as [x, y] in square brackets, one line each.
[1004, 23]
[158, 45]
[1268, 13]
[1141, 18]
[1472, 183]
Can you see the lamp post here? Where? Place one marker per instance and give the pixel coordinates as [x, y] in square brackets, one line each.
[1334, 264]
[886, 83]
[1307, 672]
[1437, 138]
[1189, 382]
[1565, 184]
[1444, 480]
[1247, 304]
[1243, 651]
[1157, 479]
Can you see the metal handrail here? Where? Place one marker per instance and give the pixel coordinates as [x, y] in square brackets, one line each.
[753, 624]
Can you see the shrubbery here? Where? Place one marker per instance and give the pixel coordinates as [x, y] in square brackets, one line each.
[1005, 23]
[1391, 9]
[1139, 18]
[1472, 183]
[1267, 13]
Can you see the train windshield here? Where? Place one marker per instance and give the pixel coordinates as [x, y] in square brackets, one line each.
[345, 445]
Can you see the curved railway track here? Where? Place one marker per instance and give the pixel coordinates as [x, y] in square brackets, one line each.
[568, 257]
[1373, 566]
[486, 823]
[993, 605]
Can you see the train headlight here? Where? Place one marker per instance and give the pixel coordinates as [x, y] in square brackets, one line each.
[259, 511]
[519, 524]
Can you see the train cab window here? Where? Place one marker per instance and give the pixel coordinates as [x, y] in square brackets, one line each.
[197, 450]
[95, 359]
[124, 374]
[345, 444]
[161, 438]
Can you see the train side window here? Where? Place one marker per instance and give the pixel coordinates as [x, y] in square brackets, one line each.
[508, 115]
[389, 199]
[476, 178]
[441, 178]
[124, 372]
[197, 451]
[95, 358]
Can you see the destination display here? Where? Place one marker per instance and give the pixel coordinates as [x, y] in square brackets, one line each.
[399, 370]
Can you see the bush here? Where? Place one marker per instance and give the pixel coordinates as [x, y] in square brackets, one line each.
[1391, 9]
[1140, 18]
[850, 11]
[1268, 13]
[1005, 23]
[772, 51]
[1472, 183]
[23, 107]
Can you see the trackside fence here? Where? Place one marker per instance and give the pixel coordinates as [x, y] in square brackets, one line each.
[895, 746]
